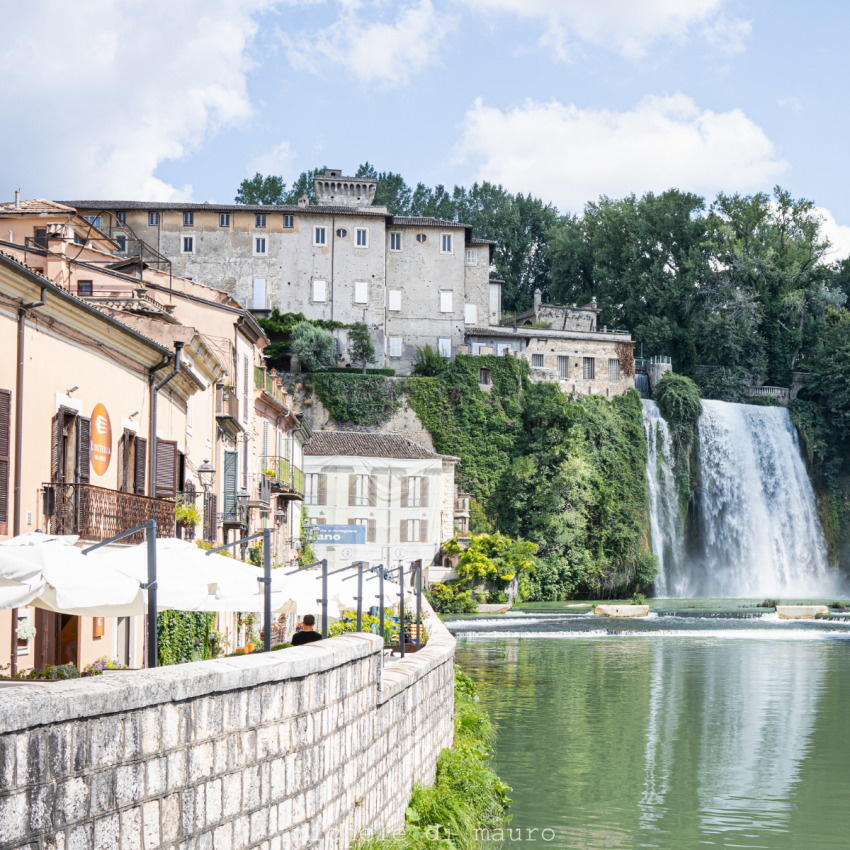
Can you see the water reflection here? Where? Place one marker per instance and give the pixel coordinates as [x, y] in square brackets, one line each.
[671, 742]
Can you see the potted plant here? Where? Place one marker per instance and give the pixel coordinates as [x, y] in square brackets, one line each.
[186, 514]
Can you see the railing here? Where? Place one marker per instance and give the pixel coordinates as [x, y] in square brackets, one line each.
[283, 473]
[269, 383]
[779, 393]
[96, 513]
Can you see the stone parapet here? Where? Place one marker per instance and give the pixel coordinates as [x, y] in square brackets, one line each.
[300, 748]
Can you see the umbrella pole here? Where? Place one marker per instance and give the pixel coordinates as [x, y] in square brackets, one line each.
[324, 599]
[401, 609]
[267, 588]
[150, 537]
[360, 596]
[419, 605]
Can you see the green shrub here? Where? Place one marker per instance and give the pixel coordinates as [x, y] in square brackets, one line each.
[315, 347]
[386, 371]
[678, 400]
[54, 673]
[428, 362]
[184, 636]
[97, 666]
[360, 399]
[451, 597]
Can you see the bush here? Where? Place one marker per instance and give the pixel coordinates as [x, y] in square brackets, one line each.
[678, 400]
[53, 673]
[451, 597]
[360, 347]
[386, 371]
[315, 347]
[361, 399]
[97, 666]
[427, 363]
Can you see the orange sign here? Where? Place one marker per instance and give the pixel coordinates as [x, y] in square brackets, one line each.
[101, 439]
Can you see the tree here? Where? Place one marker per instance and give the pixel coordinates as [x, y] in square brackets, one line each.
[829, 365]
[261, 190]
[392, 192]
[360, 347]
[315, 347]
[303, 185]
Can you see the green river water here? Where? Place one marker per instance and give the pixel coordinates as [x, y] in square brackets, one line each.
[669, 733]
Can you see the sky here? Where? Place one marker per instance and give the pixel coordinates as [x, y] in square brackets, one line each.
[566, 99]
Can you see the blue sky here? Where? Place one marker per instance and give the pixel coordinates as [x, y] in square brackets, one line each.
[568, 99]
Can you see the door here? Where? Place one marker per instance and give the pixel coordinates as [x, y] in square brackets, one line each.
[46, 638]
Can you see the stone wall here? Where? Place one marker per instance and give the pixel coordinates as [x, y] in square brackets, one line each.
[301, 748]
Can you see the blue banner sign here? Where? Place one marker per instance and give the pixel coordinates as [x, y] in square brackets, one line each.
[343, 535]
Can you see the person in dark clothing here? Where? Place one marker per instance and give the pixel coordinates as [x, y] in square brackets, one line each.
[308, 635]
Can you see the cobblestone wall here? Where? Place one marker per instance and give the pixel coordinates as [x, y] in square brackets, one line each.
[302, 748]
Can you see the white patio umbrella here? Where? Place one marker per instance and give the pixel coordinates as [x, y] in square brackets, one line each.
[304, 589]
[345, 591]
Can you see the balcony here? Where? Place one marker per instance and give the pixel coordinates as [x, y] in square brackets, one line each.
[227, 411]
[96, 513]
[286, 480]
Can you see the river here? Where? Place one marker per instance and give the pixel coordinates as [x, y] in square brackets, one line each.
[671, 732]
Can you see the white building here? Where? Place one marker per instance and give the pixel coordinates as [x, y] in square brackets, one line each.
[412, 281]
[398, 494]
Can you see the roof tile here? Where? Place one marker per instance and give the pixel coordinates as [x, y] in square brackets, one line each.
[361, 444]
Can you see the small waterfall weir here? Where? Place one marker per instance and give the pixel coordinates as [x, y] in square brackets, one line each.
[753, 529]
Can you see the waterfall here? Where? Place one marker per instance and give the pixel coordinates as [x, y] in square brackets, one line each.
[642, 385]
[754, 529]
[664, 522]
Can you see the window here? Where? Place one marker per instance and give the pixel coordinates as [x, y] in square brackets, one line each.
[258, 293]
[484, 376]
[471, 257]
[188, 244]
[41, 237]
[394, 299]
[362, 237]
[259, 244]
[369, 525]
[361, 292]
[121, 239]
[24, 644]
[395, 346]
[563, 367]
[363, 490]
[122, 217]
[153, 219]
[188, 219]
[319, 287]
[537, 361]
[320, 236]
[289, 221]
[260, 220]
[470, 314]
[444, 347]
[224, 219]
[421, 238]
[84, 287]
[445, 302]
[341, 233]
[395, 241]
[414, 491]
[613, 370]
[446, 243]
[93, 219]
[316, 488]
[132, 463]
[413, 531]
[589, 368]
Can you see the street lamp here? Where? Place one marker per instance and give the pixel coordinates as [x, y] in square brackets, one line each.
[279, 516]
[206, 475]
[242, 502]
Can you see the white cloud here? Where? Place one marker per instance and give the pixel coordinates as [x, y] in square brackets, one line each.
[629, 27]
[279, 160]
[792, 103]
[571, 155]
[383, 52]
[99, 94]
[838, 235]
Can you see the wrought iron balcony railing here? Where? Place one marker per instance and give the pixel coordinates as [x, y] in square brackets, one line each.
[96, 513]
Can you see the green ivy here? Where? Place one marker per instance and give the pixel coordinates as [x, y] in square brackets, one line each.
[360, 399]
[183, 636]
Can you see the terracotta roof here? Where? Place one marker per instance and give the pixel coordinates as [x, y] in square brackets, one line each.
[360, 444]
[413, 221]
[36, 206]
[181, 206]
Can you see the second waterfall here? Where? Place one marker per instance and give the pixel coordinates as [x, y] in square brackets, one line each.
[753, 528]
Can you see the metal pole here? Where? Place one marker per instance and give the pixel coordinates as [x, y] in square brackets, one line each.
[419, 605]
[381, 598]
[150, 534]
[401, 609]
[359, 596]
[325, 598]
[267, 588]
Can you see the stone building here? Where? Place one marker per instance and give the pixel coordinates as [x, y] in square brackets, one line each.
[562, 345]
[401, 494]
[413, 281]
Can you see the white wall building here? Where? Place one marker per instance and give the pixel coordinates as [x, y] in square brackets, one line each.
[400, 493]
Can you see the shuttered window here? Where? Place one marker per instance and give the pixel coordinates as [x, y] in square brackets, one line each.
[245, 387]
[613, 370]
[370, 525]
[210, 518]
[589, 368]
[141, 466]
[231, 469]
[363, 490]
[413, 531]
[166, 469]
[5, 458]
[563, 367]
[83, 460]
[414, 491]
[316, 488]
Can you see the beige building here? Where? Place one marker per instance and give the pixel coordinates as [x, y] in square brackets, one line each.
[398, 496]
[413, 281]
[562, 345]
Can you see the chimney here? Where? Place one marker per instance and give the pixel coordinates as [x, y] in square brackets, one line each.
[17, 199]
